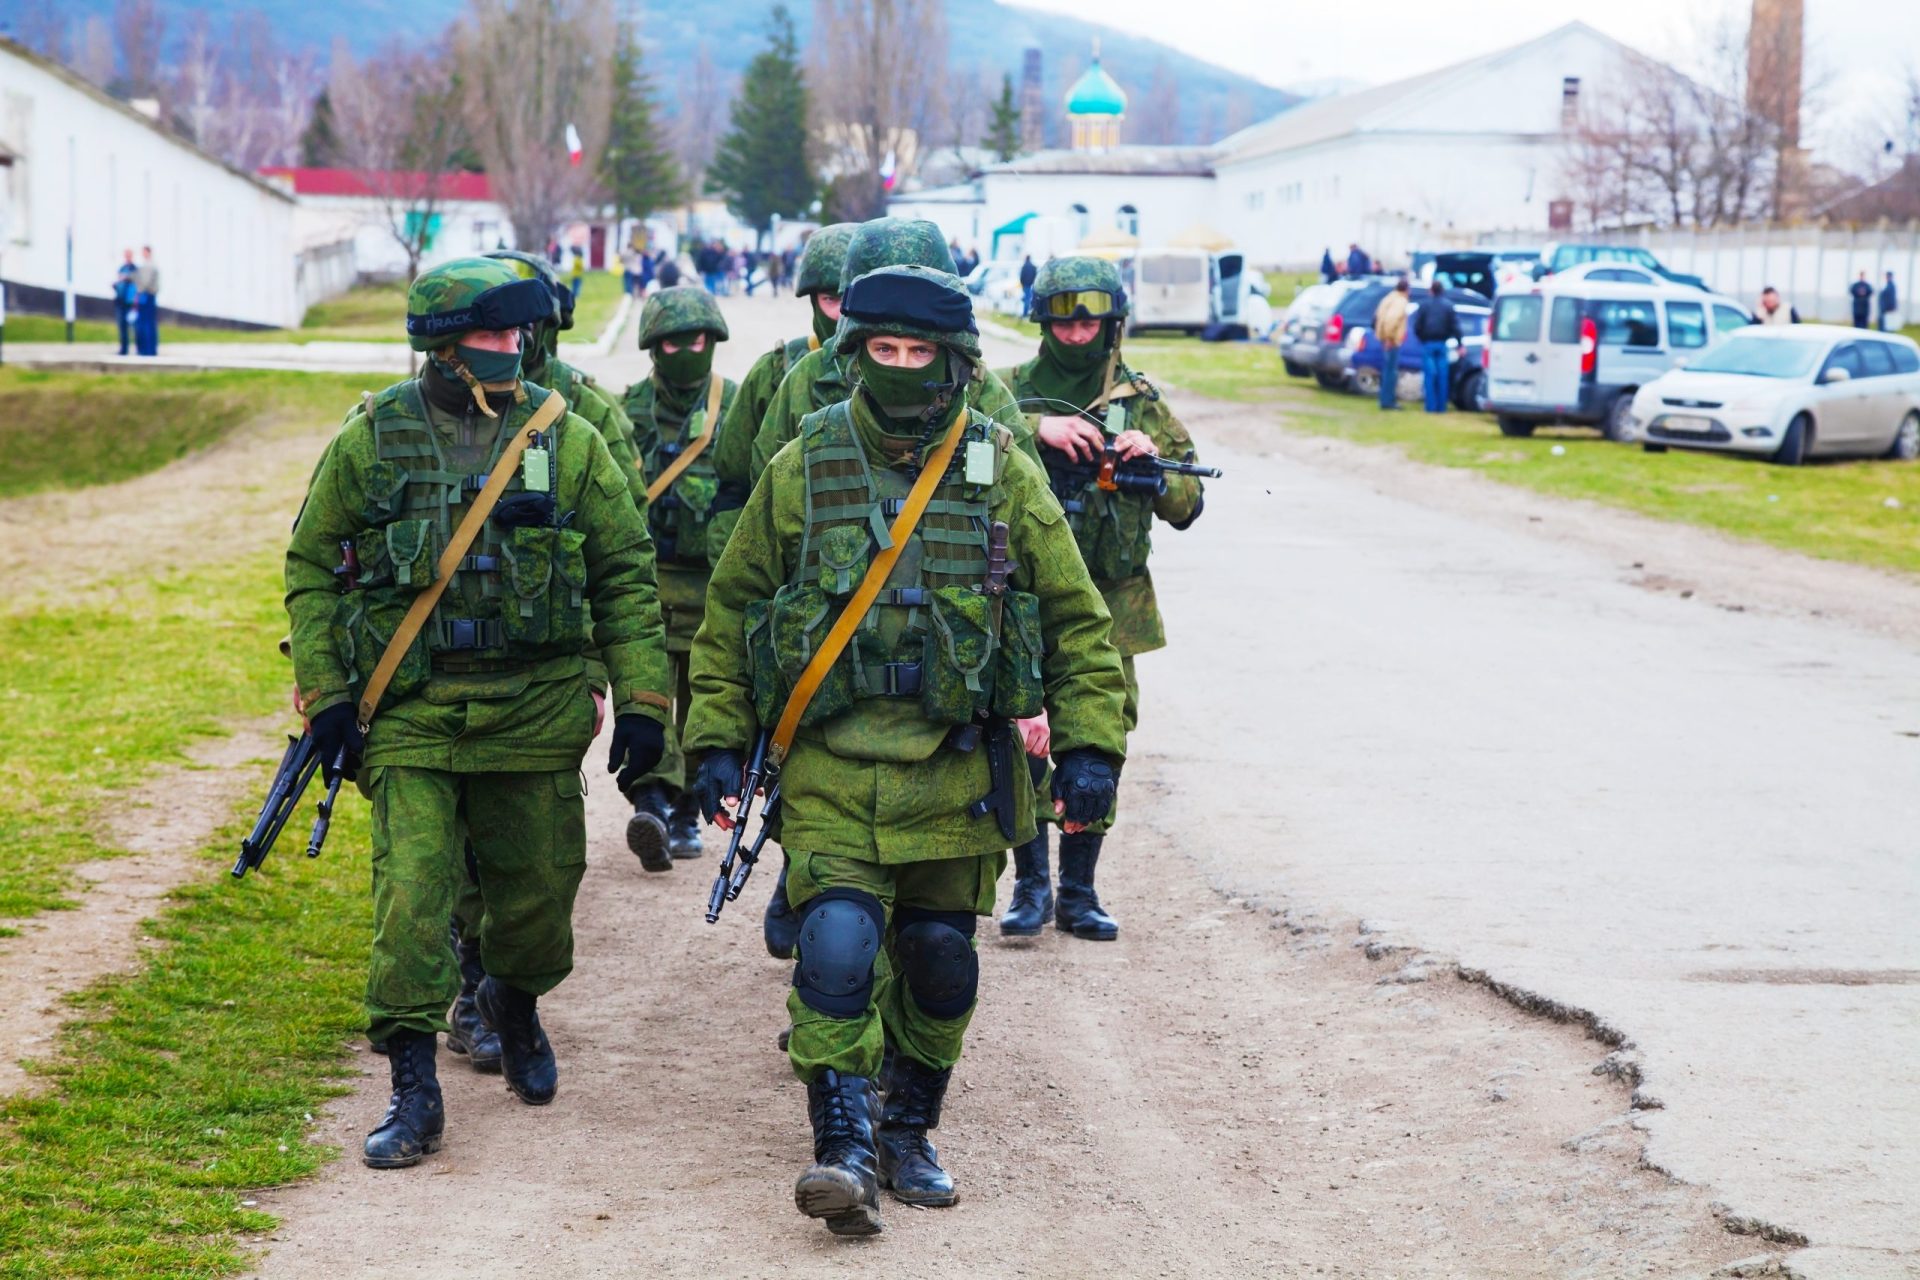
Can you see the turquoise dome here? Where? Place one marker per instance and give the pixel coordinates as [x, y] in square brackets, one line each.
[1096, 94]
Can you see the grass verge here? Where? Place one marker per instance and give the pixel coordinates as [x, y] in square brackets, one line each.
[70, 430]
[1866, 512]
[193, 1080]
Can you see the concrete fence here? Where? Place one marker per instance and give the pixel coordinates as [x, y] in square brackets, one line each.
[323, 271]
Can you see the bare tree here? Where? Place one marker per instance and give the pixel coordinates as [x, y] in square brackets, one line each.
[528, 69]
[94, 60]
[138, 31]
[396, 127]
[701, 118]
[880, 69]
[1157, 120]
[194, 90]
[47, 31]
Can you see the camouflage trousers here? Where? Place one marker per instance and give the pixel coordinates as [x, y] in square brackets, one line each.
[530, 847]
[1130, 712]
[853, 1046]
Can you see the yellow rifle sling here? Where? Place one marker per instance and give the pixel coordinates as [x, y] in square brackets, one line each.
[716, 387]
[866, 593]
[403, 635]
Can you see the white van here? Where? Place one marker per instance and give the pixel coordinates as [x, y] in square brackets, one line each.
[1576, 352]
[1172, 289]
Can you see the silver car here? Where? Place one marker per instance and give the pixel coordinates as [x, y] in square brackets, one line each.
[1790, 392]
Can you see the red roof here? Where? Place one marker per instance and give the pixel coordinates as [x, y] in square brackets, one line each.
[459, 185]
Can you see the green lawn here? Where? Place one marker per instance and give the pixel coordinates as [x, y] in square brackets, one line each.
[1837, 511]
[369, 313]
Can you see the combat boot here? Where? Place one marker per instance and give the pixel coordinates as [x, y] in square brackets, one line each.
[526, 1059]
[909, 1166]
[467, 1033]
[842, 1187]
[647, 828]
[1032, 900]
[415, 1116]
[780, 926]
[683, 827]
[1078, 911]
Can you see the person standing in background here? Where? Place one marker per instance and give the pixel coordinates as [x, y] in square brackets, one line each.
[1358, 263]
[1436, 324]
[124, 300]
[1390, 328]
[1862, 294]
[1889, 307]
[1028, 274]
[577, 276]
[1328, 272]
[146, 284]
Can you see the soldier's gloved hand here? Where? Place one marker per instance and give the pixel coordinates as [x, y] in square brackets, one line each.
[716, 786]
[638, 740]
[336, 727]
[1083, 788]
[528, 510]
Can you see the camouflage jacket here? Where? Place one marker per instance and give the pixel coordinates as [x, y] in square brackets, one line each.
[881, 810]
[683, 578]
[1137, 626]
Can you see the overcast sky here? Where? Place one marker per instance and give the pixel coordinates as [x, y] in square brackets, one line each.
[1859, 44]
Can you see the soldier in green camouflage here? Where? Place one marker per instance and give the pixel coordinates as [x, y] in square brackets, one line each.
[825, 377]
[490, 709]
[677, 412]
[1082, 400]
[887, 865]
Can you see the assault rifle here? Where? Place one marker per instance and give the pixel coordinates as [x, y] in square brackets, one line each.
[739, 861]
[297, 767]
[1144, 476]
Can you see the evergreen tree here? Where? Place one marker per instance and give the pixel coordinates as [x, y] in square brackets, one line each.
[319, 149]
[761, 164]
[637, 166]
[1003, 132]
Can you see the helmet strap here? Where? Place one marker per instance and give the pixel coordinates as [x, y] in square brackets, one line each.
[475, 388]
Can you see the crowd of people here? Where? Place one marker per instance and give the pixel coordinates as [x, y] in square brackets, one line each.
[136, 303]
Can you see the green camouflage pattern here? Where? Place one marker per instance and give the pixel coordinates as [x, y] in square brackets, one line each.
[894, 242]
[901, 810]
[733, 451]
[683, 579]
[854, 1045]
[1137, 625]
[450, 287]
[1068, 275]
[821, 261]
[855, 330]
[530, 840]
[822, 378]
[685, 308]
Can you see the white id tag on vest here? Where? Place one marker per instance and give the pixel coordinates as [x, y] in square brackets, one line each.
[536, 469]
[979, 462]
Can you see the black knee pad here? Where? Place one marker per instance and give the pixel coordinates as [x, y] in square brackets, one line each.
[937, 959]
[840, 931]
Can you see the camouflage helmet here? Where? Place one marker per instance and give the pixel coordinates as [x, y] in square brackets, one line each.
[1067, 289]
[685, 308]
[531, 266]
[909, 302]
[821, 260]
[468, 295]
[894, 242]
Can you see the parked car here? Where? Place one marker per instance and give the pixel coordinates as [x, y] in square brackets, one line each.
[1556, 258]
[1299, 334]
[1329, 347]
[998, 284]
[1790, 393]
[1576, 353]
[1468, 383]
[1611, 273]
[1485, 270]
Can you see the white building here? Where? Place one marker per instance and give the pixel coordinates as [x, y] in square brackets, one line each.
[84, 174]
[346, 204]
[1428, 160]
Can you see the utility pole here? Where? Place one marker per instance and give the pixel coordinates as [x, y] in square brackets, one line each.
[72, 181]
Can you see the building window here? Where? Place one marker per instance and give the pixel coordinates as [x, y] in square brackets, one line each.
[1081, 220]
[1128, 220]
[1569, 102]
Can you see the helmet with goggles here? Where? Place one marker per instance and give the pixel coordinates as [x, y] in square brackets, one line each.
[472, 295]
[1078, 289]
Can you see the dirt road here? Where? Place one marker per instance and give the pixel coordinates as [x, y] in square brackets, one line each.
[1230, 1089]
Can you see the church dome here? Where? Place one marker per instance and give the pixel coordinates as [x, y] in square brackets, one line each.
[1096, 94]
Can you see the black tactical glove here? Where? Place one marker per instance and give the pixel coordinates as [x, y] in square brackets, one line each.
[336, 727]
[528, 510]
[721, 774]
[1085, 780]
[638, 740]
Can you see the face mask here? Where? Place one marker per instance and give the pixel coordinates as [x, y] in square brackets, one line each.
[491, 368]
[1073, 359]
[823, 324]
[683, 368]
[901, 392]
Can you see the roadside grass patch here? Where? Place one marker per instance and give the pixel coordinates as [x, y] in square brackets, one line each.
[65, 430]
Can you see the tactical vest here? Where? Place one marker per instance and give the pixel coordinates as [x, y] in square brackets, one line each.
[678, 519]
[1112, 528]
[933, 651]
[792, 352]
[518, 595]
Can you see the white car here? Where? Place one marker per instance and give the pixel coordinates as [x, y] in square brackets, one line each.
[998, 284]
[1790, 392]
[1616, 273]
